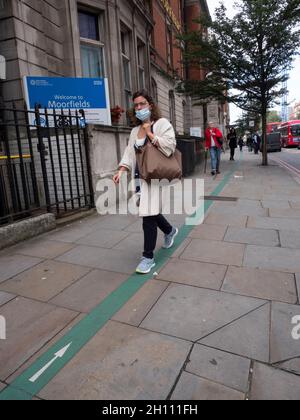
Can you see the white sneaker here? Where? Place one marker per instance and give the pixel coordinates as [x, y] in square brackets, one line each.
[169, 239]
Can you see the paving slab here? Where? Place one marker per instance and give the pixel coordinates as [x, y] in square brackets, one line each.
[42, 248]
[44, 348]
[210, 232]
[247, 336]
[105, 259]
[194, 273]
[244, 203]
[121, 363]
[89, 291]
[30, 324]
[276, 223]
[243, 194]
[274, 385]
[192, 313]
[103, 238]
[220, 367]
[180, 250]
[115, 222]
[70, 233]
[280, 193]
[223, 204]
[45, 280]
[263, 284]
[135, 227]
[295, 205]
[275, 259]
[283, 345]
[290, 239]
[276, 204]
[2, 386]
[135, 242]
[11, 265]
[292, 366]
[240, 211]
[226, 220]
[136, 309]
[214, 252]
[5, 297]
[191, 387]
[252, 236]
[285, 213]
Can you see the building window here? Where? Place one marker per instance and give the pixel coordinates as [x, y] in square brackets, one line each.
[126, 62]
[172, 109]
[91, 45]
[154, 90]
[148, 6]
[169, 47]
[141, 51]
[185, 118]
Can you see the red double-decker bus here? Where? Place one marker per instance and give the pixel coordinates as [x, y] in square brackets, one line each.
[290, 133]
[273, 127]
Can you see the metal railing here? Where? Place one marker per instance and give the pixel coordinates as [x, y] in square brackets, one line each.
[44, 163]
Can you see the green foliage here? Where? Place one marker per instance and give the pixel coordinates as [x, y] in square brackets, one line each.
[246, 56]
[273, 116]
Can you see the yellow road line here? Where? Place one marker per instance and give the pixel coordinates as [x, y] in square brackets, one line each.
[15, 157]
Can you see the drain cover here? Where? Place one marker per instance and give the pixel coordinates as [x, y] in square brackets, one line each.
[217, 198]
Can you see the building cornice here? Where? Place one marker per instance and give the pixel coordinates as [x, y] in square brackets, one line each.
[139, 5]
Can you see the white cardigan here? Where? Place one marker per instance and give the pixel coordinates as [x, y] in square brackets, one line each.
[164, 133]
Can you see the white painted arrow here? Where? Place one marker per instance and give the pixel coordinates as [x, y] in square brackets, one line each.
[59, 354]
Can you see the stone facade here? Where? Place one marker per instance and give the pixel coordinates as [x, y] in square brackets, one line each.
[43, 38]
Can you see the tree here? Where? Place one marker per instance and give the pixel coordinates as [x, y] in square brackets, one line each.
[248, 122]
[246, 56]
[273, 116]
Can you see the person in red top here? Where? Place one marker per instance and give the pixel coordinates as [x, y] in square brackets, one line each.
[214, 143]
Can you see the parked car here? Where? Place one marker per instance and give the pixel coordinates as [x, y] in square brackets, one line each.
[273, 142]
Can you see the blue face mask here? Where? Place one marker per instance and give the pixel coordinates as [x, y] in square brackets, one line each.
[143, 114]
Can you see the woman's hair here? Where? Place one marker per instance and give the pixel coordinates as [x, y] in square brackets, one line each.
[155, 112]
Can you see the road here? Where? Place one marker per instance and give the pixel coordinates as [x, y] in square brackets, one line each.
[288, 158]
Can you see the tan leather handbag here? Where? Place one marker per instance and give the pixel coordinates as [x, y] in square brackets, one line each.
[153, 164]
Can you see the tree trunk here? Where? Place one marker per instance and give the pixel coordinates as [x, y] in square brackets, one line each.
[264, 139]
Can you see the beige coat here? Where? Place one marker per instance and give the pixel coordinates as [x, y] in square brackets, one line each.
[150, 204]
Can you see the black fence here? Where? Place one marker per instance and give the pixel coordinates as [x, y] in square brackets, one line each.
[44, 163]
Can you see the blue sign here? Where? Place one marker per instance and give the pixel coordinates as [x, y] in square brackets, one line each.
[59, 93]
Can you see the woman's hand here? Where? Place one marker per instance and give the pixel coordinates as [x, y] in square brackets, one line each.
[147, 128]
[118, 175]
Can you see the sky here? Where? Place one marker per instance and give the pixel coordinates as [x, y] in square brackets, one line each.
[294, 80]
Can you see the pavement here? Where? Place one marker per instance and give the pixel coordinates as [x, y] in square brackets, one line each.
[219, 320]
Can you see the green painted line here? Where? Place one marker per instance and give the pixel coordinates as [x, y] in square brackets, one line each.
[24, 389]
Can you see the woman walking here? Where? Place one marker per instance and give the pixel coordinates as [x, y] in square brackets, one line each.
[232, 138]
[149, 127]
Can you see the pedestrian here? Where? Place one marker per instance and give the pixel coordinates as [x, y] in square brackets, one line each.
[250, 143]
[214, 143]
[232, 139]
[256, 142]
[241, 143]
[149, 127]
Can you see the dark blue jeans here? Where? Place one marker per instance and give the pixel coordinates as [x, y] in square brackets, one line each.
[215, 156]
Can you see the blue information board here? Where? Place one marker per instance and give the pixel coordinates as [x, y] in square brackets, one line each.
[59, 93]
